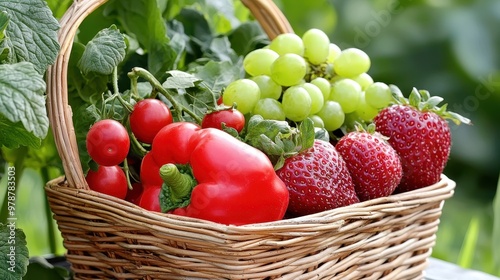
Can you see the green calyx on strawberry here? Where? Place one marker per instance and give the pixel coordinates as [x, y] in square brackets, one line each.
[418, 130]
[373, 163]
[317, 180]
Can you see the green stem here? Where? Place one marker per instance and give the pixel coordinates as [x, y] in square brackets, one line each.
[179, 108]
[48, 214]
[180, 184]
[21, 153]
[116, 92]
[126, 169]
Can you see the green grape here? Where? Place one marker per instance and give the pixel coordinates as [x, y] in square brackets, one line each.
[296, 103]
[316, 46]
[347, 93]
[333, 52]
[258, 62]
[269, 109]
[317, 121]
[336, 78]
[365, 111]
[244, 92]
[378, 95]
[288, 69]
[351, 62]
[324, 85]
[268, 87]
[364, 80]
[332, 115]
[287, 43]
[316, 95]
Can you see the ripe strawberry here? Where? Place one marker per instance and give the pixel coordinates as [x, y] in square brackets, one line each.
[374, 165]
[419, 132]
[317, 180]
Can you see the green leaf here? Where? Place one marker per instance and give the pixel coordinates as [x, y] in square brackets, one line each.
[13, 135]
[143, 18]
[180, 80]
[32, 32]
[247, 37]
[22, 97]
[14, 255]
[4, 21]
[496, 226]
[40, 269]
[469, 244]
[217, 75]
[104, 52]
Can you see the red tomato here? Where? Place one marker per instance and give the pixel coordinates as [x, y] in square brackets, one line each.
[150, 198]
[150, 171]
[135, 193]
[108, 142]
[148, 117]
[110, 180]
[230, 117]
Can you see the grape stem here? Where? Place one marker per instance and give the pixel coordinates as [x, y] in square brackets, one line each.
[138, 72]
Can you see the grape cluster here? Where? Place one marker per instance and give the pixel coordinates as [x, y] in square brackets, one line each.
[294, 78]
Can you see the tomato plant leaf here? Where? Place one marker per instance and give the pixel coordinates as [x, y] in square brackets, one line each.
[104, 52]
[247, 37]
[4, 21]
[180, 80]
[31, 38]
[22, 97]
[143, 19]
[216, 75]
[14, 255]
[13, 135]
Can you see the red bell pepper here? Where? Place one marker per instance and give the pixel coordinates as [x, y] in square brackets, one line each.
[227, 181]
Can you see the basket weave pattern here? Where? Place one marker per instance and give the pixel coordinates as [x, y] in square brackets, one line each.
[108, 238]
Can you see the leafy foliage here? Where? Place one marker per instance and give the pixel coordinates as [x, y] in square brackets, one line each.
[14, 254]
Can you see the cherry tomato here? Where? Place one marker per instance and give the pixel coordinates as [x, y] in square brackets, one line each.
[110, 180]
[108, 142]
[150, 198]
[148, 117]
[230, 117]
[135, 193]
[150, 171]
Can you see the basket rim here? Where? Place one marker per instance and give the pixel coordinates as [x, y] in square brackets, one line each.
[435, 193]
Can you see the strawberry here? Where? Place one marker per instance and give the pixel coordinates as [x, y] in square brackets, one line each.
[317, 180]
[374, 165]
[419, 132]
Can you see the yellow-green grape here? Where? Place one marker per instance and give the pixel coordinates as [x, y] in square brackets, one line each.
[244, 93]
[268, 87]
[269, 109]
[324, 85]
[287, 43]
[258, 62]
[332, 115]
[351, 62]
[296, 103]
[316, 46]
[288, 69]
[333, 52]
[365, 111]
[378, 95]
[317, 121]
[317, 99]
[347, 93]
[364, 80]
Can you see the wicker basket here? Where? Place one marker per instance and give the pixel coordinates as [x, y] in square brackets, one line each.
[108, 238]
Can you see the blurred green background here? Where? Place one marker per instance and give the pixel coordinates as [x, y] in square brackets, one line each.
[451, 48]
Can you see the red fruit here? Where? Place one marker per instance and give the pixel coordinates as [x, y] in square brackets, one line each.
[110, 180]
[420, 137]
[150, 198]
[374, 165]
[317, 180]
[148, 117]
[230, 117]
[108, 142]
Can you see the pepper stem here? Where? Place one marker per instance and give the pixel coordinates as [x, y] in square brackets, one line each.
[177, 187]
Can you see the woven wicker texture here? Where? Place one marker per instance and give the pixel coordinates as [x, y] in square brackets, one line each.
[108, 238]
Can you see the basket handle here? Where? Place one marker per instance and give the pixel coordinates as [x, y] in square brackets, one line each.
[265, 12]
